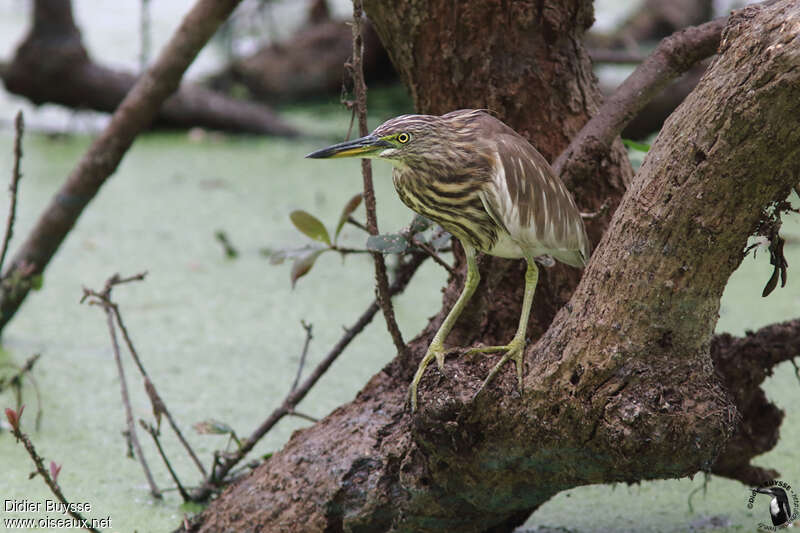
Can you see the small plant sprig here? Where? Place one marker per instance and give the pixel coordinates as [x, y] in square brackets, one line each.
[49, 475]
[420, 234]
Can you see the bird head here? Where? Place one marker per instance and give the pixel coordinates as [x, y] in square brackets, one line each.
[412, 140]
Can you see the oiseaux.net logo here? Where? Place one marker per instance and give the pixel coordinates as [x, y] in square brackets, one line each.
[777, 502]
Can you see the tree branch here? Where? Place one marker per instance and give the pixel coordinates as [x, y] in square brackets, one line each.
[672, 57]
[743, 363]
[621, 386]
[218, 474]
[133, 115]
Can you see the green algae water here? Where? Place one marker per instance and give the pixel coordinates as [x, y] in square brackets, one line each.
[220, 338]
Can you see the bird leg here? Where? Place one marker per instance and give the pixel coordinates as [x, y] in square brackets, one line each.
[514, 349]
[436, 349]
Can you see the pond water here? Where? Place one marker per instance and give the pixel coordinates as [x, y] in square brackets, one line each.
[221, 338]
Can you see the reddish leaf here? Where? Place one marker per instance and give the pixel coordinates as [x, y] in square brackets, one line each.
[348, 210]
[55, 469]
[303, 264]
[11, 415]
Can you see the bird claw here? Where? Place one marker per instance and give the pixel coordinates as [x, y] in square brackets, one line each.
[514, 351]
[434, 352]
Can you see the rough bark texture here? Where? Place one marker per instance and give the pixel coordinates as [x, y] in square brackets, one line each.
[52, 66]
[621, 387]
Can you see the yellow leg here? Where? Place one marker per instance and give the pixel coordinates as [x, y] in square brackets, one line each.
[436, 349]
[514, 349]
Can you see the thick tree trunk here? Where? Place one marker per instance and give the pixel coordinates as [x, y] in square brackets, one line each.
[525, 62]
[621, 387]
[51, 65]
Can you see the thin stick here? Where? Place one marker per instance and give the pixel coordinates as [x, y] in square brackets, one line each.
[309, 336]
[381, 278]
[222, 467]
[16, 175]
[154, 433]
[155, 399]
[54, 487]
[304, 416]
[16, 382]
[136, 112]
[159, 407]
[359, 225]
[431, 252]
[127, 403]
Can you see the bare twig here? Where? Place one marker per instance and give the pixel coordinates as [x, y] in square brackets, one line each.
[346, 251]
[127, 403]
[48, 479]
[360, 88]
[611, 55]
[309, 336]
[154, 433]
[304, 416]
[16, 382]
[223, 466]
[16, 175]
[431, 252]
[155, 399]
[159, 407]
[359, 225]
[135, 113]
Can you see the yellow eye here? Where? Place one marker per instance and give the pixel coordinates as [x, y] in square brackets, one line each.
[403, 138]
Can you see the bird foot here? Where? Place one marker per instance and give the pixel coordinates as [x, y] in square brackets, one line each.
[514, 351]
[434, 352]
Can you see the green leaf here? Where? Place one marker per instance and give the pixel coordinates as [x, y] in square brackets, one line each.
[310, 226]
[633, 145]
[388, 243]
[192, 507]
[419, 224]
[348, 210]
[303, 264]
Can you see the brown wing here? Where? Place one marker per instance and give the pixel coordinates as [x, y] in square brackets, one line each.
[532, 203]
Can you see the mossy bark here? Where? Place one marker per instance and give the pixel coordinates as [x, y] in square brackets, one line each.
[621, 386]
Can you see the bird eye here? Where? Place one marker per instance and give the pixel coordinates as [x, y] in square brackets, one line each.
[403, 138]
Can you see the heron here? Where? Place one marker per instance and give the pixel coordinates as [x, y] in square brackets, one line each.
[491, 189]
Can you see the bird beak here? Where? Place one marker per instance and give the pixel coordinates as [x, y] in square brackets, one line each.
[363, 147]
